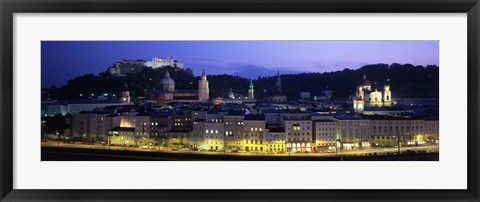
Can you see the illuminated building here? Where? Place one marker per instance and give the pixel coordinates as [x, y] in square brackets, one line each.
[234, 130]
[214, 135]
[232, 99]
[203, 90]
[276, 140]
[142, 128]
[168, 93]
[254, 132]
[364, 96]
[431, 131]
[160, 123]
[122, 136]
[251, 90]
[197, 135]
[325, 135]
[158, 62]
[298, 130]
[354, 132]
[177, 139]
[125, 96]
[387, 131]
[93, 125]
[76, 106]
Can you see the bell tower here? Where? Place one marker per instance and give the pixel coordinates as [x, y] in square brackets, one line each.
[203, 92]
[250, 90]
[387, 95]
[125, 98]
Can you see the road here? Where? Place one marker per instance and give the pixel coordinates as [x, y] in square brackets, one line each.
[359, 152]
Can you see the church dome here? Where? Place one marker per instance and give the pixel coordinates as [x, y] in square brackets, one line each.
[366, 82]
[167, 80]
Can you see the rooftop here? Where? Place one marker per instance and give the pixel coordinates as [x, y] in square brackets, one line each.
[127, 129]
[91, 101]
[255, 117]
[94, 112]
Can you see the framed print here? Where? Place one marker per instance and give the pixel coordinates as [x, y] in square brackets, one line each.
[239, 101]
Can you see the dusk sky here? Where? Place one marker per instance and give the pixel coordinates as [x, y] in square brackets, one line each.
[65, 60]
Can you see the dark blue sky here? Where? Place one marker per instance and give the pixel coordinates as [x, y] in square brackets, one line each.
[64, 60]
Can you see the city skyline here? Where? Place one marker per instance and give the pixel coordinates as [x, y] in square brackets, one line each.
[64, 60]
[161, 105]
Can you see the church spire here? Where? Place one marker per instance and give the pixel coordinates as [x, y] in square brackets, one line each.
[204, 75]
[279, 82]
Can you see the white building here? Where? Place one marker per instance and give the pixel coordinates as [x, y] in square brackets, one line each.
[158, 62]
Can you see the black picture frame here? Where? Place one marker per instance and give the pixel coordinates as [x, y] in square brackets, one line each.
[10, 7]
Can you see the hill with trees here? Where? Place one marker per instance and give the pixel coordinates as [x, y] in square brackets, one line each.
[406, 80]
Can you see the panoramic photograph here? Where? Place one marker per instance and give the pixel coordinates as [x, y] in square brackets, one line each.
[263, 100]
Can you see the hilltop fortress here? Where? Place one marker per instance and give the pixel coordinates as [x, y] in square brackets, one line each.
[127, 66]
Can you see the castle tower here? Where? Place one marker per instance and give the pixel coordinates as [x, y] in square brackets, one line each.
[203, 92]
[387, 95]
[125, 98]
[278, 84]
[250, 90]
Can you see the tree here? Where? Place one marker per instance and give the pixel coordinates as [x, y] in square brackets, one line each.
[56, 124]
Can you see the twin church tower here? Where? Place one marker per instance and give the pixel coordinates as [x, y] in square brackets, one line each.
[364, 96]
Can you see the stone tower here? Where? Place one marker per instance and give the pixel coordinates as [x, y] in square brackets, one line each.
[250, 90]
[203, 92]
[125, 94]
[387, 95]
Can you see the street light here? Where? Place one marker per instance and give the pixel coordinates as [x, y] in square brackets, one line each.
[398, 142]
[58, 139]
